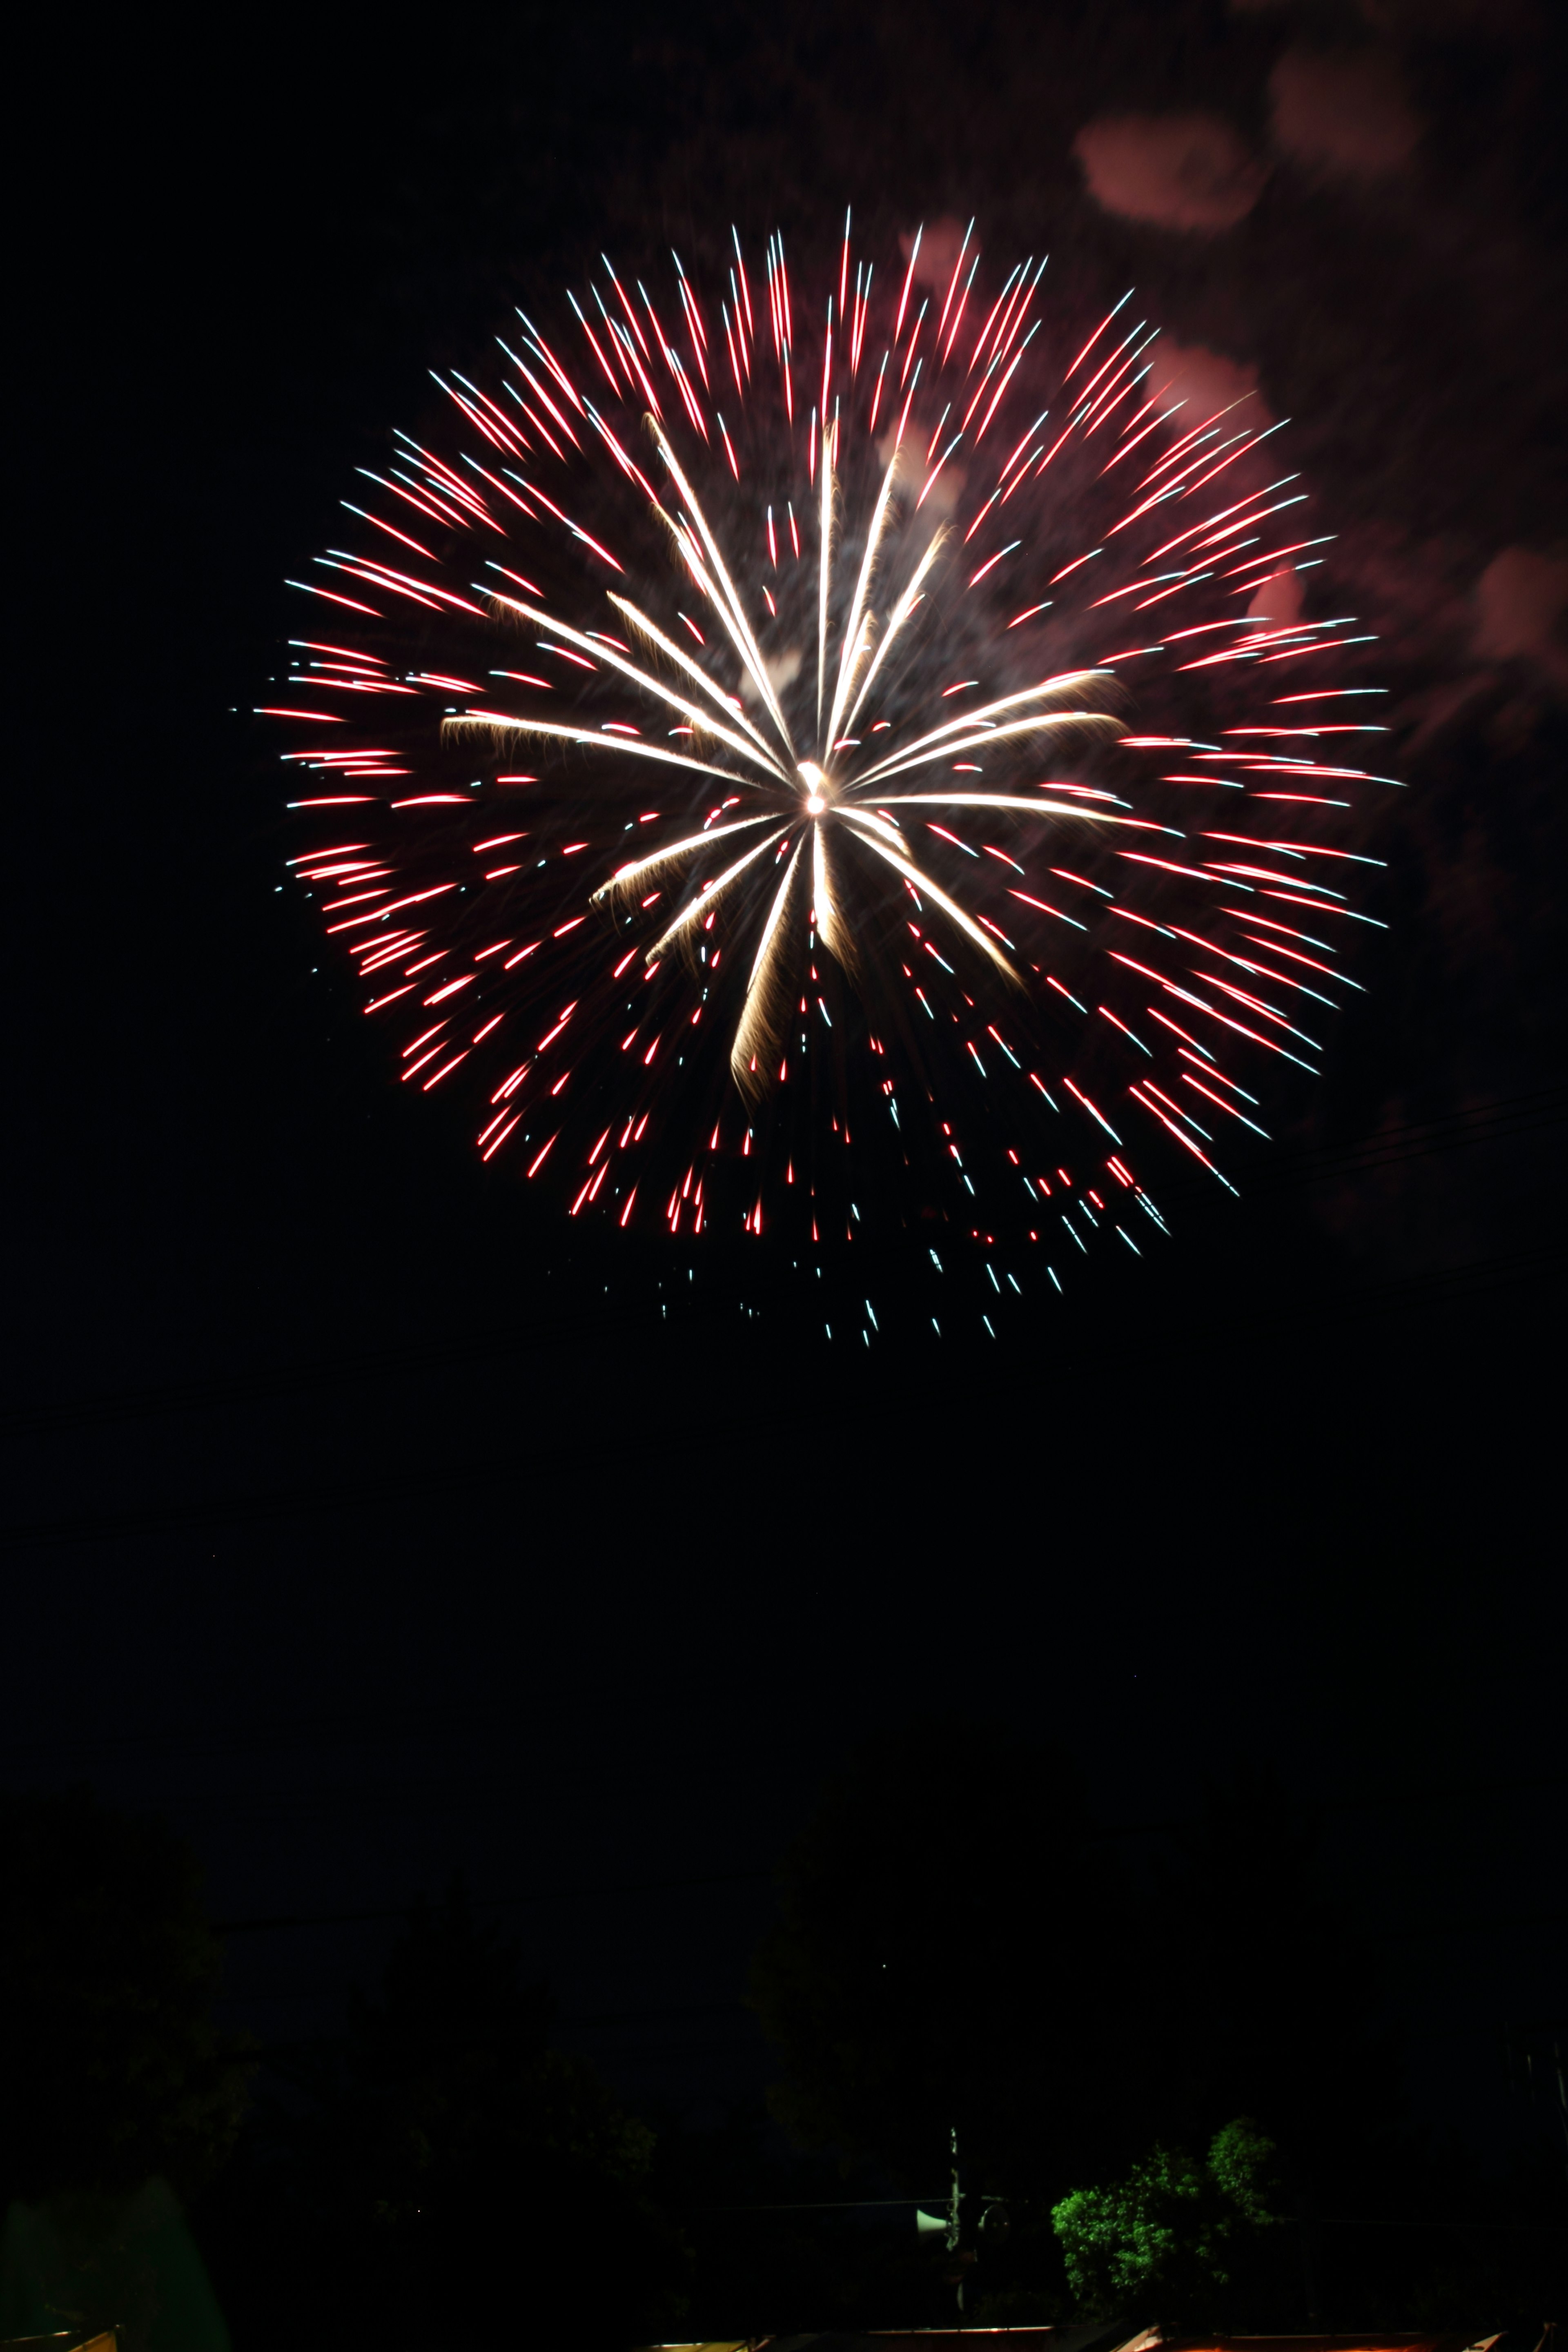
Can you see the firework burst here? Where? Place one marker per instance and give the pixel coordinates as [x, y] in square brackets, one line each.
[838, 773]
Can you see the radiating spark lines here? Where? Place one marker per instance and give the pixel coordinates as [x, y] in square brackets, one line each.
[765, 767]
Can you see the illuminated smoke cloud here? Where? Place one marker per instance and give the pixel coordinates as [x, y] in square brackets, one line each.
[1343, 114]
[1520, 600]
[1188, 171]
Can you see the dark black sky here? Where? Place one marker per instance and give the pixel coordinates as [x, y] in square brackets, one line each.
[368, 1532]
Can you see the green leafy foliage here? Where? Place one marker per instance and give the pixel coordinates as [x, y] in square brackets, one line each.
[1170, 2229]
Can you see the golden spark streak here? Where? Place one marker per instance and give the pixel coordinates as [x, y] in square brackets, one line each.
[896, 620]
[854, 656]
[691, 557]
[708, 899]
[933, 891]
[641, 626]
[1072, 681]
[729, 607]
[757, 1029]
[1036, 726]
[1008, 800]
[501, 724]
[630, 877]
[644, 678]
[833, 932]
[856, 627]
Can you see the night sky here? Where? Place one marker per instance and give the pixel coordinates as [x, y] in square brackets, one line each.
[371, 1526]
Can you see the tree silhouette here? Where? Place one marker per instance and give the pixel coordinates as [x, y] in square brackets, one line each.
[952, 1953]
[110, 2065]
[444, 2171]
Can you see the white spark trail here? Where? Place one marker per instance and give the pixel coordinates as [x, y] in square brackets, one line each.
[833, 930]
[877, 840]
[1038, 725]
[1072, 681]
[756, 1028]
[730, 607]
[644, 678]
[896, 621]
[631, 878]
[853, 626]
[640, 625]
[1007, 801]
[708, 899]
[501, 723]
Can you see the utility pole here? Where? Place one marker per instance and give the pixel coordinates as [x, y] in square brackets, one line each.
[955, 2226]
[950, 2224]
[994, 2222]
[954, 2213]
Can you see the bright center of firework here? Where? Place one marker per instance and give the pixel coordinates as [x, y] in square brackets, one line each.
[814, 780]
[815, 803]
